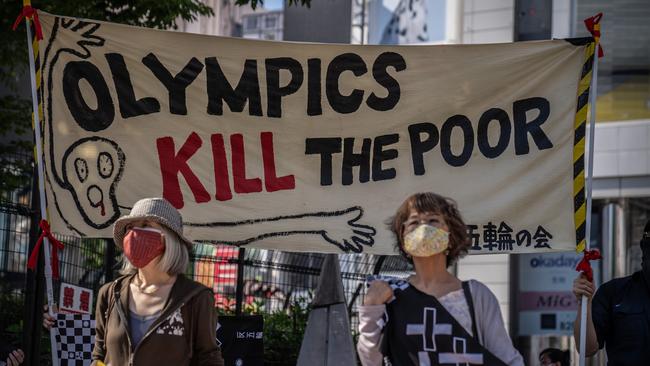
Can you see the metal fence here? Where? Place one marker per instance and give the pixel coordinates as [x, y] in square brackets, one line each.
[250, 281]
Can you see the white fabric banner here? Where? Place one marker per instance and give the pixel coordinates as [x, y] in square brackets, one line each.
[308, 147]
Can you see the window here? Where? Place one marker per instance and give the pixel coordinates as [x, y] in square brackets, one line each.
[251, 22]
[237, 30]
[269, 22]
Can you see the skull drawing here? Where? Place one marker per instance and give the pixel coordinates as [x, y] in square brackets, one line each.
[92, 168]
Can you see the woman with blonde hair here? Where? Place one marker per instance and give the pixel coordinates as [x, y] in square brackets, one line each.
[432, 317]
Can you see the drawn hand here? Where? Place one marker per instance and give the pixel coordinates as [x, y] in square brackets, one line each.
[345, 232]
[83, 32]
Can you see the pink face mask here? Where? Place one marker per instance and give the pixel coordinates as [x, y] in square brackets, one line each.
[142, 245]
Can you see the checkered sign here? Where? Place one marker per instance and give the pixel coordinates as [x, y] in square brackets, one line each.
[75, 338]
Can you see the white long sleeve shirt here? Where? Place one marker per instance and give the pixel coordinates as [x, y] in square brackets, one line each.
[490, 327]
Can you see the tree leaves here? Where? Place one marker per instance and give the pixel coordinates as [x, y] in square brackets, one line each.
[15, 110]
[15, 113]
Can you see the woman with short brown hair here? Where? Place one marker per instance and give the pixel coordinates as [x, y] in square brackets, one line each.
[432, 317]
[433, 203]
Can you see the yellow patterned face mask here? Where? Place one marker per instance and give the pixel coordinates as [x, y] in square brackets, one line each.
[425, 241]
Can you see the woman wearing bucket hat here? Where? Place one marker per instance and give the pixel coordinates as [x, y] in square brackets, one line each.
[153, 314]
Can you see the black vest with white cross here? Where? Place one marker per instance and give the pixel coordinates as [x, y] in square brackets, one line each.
[419, 331]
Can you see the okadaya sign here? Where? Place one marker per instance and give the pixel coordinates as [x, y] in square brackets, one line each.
[308, 147]
[545, 301]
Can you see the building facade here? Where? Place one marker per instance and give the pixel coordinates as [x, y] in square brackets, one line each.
[227, 19]
[264, 24]
[327, 21]
[621, 171]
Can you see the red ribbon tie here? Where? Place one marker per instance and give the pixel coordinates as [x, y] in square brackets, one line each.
[585, 267]
[593, 26]
[30, 13]
[56, 246]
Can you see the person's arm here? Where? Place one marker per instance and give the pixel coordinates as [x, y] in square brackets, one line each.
[370, 334]
[370, 327]
[206, 351]
[9, 354]
[494, 336]
[582, 286]
[99, 350]
[14, 358]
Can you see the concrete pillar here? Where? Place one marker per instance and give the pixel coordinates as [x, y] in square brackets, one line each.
[614, 248]
[620, 243]
[454, 22]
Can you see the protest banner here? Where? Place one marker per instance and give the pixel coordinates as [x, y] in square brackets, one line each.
[312, 147]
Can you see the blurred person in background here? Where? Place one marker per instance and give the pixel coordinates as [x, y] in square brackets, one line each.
[554, 357]
[617, 315]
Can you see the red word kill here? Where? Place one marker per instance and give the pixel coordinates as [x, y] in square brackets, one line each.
[174, 162]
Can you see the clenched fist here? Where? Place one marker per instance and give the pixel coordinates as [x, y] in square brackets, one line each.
[378, 293]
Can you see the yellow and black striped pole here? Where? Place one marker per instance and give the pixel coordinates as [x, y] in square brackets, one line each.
[587, 93]
[580, 127]
[582, 203]
[33, 27]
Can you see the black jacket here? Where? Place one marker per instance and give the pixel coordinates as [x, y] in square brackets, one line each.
[621, 316]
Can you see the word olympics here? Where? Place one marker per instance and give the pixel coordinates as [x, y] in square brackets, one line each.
[376, 153]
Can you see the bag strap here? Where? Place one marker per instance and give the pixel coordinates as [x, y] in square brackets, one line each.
[470, 305]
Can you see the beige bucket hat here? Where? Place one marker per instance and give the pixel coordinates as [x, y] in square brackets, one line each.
[155, 209]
